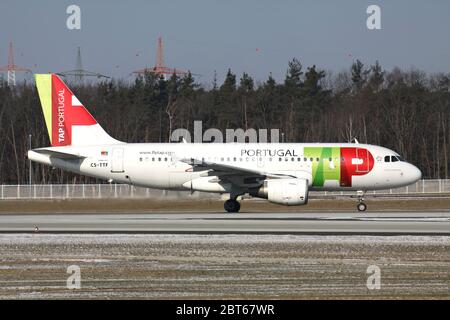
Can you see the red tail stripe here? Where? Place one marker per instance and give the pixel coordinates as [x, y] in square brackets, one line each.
[64, 115]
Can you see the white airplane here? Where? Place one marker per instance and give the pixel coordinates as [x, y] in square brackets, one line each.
[282, 173]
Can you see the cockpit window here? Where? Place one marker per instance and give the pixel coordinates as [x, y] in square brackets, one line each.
[393, 159]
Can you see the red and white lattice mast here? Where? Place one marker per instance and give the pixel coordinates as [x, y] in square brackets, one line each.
[160, 67]
[11, 68]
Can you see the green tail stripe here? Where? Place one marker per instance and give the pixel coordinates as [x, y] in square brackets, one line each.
[44, 86]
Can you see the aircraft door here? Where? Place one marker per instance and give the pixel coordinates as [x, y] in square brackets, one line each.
[117, 160]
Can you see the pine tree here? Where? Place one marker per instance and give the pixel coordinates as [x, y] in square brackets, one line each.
[294, 73]
[229, 85]
[359, 75]
[376, 78]
[312, 81]
[246, 83]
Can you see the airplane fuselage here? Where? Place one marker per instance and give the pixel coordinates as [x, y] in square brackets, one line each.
[326, 166]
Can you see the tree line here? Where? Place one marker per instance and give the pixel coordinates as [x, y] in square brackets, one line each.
[407, 111]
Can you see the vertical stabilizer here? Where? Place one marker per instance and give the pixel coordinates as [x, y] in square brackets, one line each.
[68, 121]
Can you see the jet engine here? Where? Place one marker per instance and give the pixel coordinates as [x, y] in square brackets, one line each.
[286, 191]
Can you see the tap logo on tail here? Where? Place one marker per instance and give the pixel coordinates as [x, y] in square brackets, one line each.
[62, 110]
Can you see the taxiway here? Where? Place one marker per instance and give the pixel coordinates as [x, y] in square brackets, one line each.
[217, 223]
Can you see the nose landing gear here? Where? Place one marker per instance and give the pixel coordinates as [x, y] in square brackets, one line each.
[361, 206]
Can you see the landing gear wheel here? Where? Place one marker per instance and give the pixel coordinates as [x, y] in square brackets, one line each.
[361, 206]
[232, 206]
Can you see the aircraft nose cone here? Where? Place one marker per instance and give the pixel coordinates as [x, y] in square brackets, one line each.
[415, 174]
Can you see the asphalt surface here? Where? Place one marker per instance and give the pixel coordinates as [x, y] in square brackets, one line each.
[414, 223]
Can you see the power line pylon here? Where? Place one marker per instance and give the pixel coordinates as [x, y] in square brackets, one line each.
[11, 68]
[79, 73]
[160, 67]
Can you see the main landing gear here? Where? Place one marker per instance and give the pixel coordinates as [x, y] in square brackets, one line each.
[361, 206]
[232, 205]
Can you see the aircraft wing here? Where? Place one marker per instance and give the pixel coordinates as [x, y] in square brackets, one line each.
[226, 169]
[59, 154]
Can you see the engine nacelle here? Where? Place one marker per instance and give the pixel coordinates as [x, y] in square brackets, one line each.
[288, 191]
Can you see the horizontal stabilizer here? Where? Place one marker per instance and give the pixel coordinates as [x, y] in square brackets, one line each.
[59, 154]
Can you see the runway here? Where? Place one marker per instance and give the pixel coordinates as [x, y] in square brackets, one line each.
[377, 223]
[193, 255]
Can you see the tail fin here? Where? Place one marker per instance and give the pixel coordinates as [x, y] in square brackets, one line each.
[68, 122]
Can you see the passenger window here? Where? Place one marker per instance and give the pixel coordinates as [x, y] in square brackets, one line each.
[387, 159]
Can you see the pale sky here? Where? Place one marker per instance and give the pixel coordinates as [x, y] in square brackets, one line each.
[254, 36]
